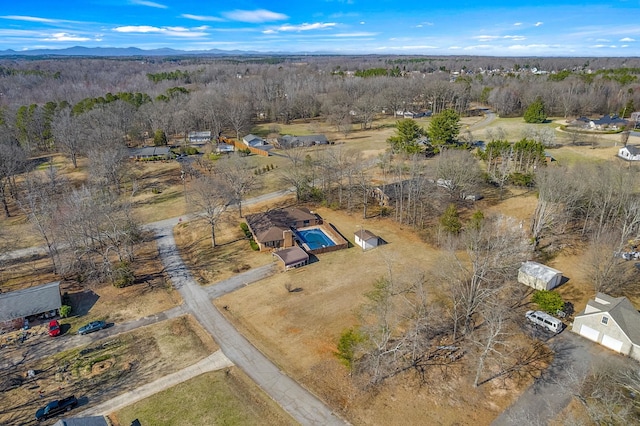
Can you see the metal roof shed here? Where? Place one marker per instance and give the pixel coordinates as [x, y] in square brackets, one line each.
[539, 276]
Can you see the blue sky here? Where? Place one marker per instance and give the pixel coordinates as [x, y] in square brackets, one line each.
[491, 27]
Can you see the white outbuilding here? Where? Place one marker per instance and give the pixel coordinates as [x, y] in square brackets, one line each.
[366, 239]
[539, 276]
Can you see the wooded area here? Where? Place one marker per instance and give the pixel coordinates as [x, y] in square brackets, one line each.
[94, 110]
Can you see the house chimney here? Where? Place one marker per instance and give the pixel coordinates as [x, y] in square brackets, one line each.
[287, 236]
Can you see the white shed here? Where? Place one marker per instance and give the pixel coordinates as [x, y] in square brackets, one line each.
[366, 239]
[539, 276]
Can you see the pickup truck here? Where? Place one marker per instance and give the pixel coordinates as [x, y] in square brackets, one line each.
[56, 407]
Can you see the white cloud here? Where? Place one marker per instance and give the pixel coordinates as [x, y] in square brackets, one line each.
[515, 37]
[65, 37]
[362, 22]
[170, 31]
[301, 27]
[528, 46]
[202, 18]
[149, 4]
[255, 16]
[37, 19]
[137, 29]
[485, 37]
[626, 39]
[360, 34]
[537, 24]
[517, 24]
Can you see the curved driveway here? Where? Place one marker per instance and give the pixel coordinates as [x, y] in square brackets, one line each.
[296, 400]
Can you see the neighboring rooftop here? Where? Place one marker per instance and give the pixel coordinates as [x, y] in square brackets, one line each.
[30, 301]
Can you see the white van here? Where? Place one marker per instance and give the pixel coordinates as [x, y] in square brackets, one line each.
[545, 320]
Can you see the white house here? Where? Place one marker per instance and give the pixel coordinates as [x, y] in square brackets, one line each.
[366, 239]
[611, 321]
[253, 140]
[629, 152]
[198, 137]
[539, 276]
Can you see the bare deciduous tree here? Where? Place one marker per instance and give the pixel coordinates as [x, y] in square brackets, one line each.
[237, 172]
[210, 197]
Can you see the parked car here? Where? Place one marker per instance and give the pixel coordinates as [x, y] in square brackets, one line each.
[54, 328]
[545, 320]
[91, 327]
[56, 407]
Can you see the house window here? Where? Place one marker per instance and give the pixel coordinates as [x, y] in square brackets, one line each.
[605, 320]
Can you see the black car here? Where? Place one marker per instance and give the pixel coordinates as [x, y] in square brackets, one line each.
[91, 327]
[56, 407]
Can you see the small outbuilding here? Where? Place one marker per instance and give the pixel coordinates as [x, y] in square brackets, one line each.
[17, 305]
[612, 322]
[366, 239]
[539, 276]
[293, 257]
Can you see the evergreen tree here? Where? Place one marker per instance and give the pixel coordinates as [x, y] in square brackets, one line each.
[406, 139]
[450, 220]
[444, 128]
[159, 138]
[535, 112]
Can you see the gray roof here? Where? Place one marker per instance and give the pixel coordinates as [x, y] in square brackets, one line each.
[82, 421]
[149, 151]
[538, 270]
[620, 309]
[30, 301]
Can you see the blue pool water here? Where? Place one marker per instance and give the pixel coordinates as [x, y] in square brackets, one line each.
[315, 238]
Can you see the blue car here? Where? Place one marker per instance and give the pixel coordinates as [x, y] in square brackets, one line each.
[91, 327]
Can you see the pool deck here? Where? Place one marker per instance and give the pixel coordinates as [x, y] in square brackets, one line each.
[331, 233]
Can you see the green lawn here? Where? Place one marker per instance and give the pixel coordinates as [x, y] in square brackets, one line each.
[225, 397]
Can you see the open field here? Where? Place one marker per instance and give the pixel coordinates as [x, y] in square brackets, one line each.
[226, 397]
[299, 331]
[106, 368]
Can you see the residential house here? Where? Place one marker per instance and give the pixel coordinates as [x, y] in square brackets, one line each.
[224, 148]
[388, 194]
[539, 276]
[254, 141]
[273, 229]
[150, 152]
[366, 239]
[17, 306]
[612, 122]
[82, 421]
[629, 152]
[199, 137]
[612, 322]
[289, 141]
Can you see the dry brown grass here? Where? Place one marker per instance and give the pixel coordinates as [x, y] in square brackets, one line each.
[299, 330]
[106, 368]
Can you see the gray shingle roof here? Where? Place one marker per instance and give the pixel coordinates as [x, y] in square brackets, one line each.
[538, 270]
[30, 301]
[621, 310]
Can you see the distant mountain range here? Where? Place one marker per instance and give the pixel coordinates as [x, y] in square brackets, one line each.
[124, 51]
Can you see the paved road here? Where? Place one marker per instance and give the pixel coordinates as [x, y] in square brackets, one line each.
[215, 361]
[238, 281]
[545, 399]
[296, 400]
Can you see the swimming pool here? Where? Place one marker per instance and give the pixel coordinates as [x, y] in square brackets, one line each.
[315, 238]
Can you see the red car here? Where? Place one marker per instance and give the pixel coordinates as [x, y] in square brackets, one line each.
[54, 328]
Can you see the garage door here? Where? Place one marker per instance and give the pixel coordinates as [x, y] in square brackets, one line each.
[611, 343]
[589, 333]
